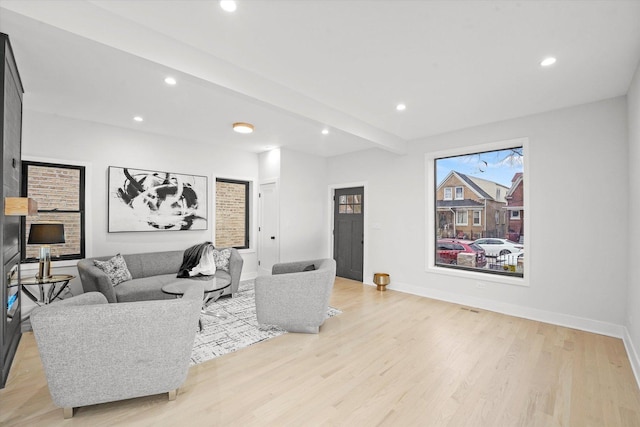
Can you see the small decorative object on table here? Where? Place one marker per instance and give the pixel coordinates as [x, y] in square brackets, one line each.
[382, 280]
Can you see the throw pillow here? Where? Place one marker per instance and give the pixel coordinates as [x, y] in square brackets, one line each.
[115, 268]
[222, 258]
[310, 267]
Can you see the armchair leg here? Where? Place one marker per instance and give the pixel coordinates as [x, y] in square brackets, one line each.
[173, 394]
[67, 412]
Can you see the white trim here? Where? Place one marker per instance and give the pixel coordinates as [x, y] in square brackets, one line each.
[632, 354]
[455, 192]
[444, 196]
[560, 319]
[466, 217]
[473, 217]
[430, 210]
[259, 249]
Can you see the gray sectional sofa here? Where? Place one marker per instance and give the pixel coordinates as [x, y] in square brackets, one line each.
[150, 272]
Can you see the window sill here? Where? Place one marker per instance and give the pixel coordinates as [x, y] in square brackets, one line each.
[479, 276]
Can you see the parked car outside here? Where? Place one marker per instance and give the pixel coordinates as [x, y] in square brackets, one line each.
[496, 247]
[448, 250]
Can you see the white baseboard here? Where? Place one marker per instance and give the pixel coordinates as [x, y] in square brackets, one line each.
[560, 319]
[632, 354]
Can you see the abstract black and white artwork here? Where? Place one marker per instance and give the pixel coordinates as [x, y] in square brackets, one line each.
[142, 200]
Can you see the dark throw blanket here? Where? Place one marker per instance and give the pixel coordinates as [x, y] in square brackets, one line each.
[191, 258]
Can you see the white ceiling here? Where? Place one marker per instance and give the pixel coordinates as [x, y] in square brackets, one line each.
[293, 68]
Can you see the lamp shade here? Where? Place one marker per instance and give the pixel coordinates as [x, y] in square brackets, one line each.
[46, 234]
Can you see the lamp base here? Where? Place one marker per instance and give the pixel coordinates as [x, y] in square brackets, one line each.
[44, 265]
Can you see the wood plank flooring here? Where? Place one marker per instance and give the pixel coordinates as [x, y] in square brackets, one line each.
[390, 359]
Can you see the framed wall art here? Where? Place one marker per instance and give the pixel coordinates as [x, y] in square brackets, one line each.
[143, 200]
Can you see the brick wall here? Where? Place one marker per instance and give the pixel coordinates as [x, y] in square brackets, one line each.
[230, 214]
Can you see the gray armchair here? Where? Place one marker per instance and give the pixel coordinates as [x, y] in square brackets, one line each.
[294, 299]
[95, 352]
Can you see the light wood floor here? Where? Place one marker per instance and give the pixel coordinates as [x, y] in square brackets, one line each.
[389, 359]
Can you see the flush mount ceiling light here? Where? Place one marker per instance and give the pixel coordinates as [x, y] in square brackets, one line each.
[228, 5]
[546, 62]
[241, 127]
[138, 119]
[170, 81]
[401, 107]
[325, 131]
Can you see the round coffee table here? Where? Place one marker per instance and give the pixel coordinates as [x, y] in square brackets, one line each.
[213, 289]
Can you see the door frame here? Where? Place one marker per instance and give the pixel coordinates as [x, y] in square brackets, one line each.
[259, 247]
[330, 207]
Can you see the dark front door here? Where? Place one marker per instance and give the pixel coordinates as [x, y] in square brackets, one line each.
[348, 232]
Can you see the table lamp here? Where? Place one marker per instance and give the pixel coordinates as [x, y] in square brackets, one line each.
[45, 235]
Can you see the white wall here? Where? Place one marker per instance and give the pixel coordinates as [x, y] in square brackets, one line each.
[633, 297]
[578, 189]
[303, 206]
[98, 146]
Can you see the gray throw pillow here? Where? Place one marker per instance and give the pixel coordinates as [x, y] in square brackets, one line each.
[221, 258]
[115, 268]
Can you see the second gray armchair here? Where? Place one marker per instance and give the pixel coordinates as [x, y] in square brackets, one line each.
[296, 296]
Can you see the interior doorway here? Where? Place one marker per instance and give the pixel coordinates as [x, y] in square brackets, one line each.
[348, 232]
[268, 241]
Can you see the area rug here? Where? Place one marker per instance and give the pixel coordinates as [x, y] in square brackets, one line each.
[236, 329]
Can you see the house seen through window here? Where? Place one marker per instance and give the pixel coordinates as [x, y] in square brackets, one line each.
[481, 228]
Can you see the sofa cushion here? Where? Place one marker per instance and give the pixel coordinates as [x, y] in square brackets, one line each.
[144, 288]
[115, 268]
[150, 288]
[154, 263]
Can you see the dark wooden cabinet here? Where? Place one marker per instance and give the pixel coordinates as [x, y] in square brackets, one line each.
[11, 134]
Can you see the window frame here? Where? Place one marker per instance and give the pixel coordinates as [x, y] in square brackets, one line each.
[514, 215]
[448, 190]
[25, 163]
[247, 199]
[461, 188]
[466, 217]
[431, 215]
[473, 221]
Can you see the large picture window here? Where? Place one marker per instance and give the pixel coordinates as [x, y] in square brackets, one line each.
[232, 213]
[59, 191]
[488, 186]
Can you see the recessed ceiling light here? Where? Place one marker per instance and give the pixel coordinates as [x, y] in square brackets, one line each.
[401, 107]
[546, 62]
[228, 5]
[170, 81]
[138, 119]
[325, 131]
[241, 127]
